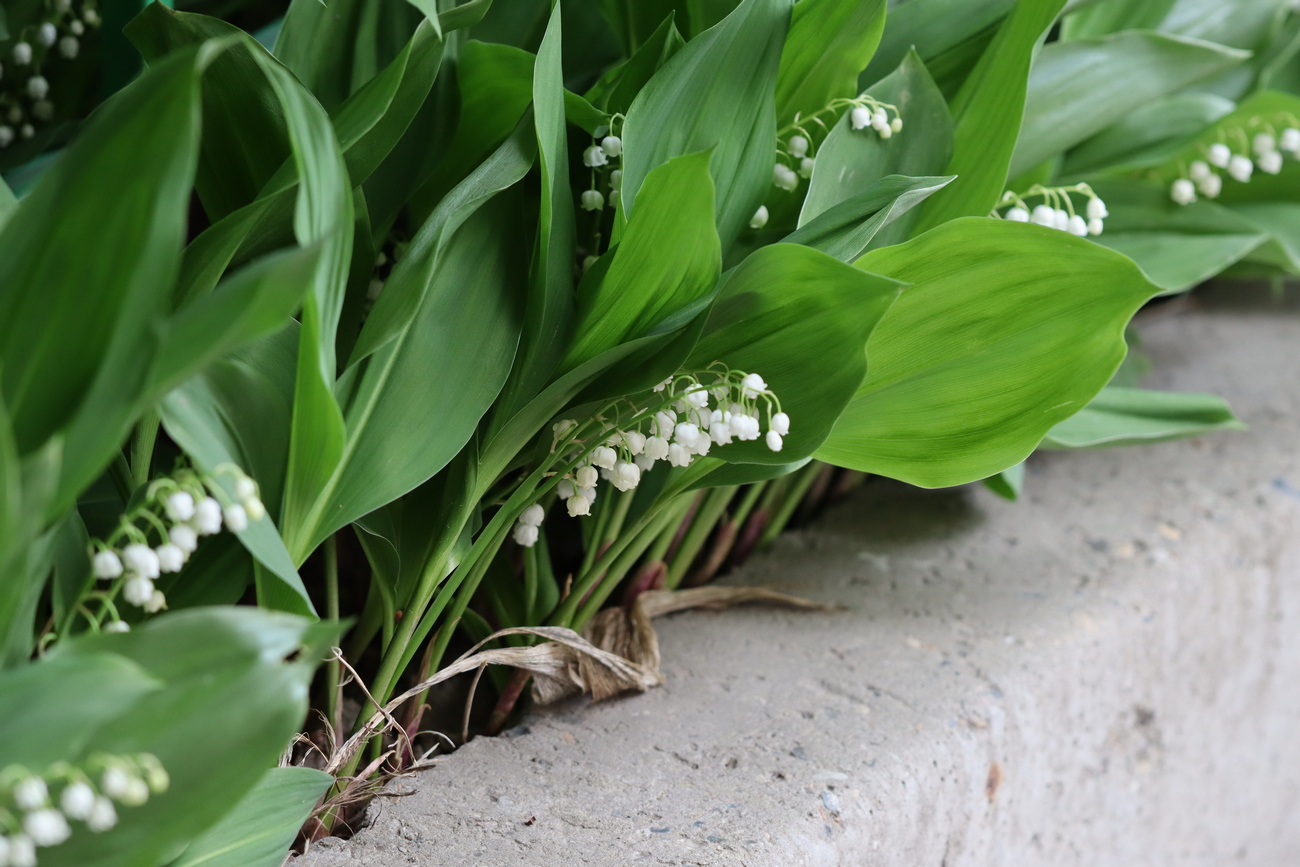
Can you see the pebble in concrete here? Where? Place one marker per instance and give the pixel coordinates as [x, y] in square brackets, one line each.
[1107, 673]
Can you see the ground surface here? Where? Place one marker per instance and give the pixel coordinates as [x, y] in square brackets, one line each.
[1107, 673]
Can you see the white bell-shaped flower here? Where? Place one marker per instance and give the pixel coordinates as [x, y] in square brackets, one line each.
[616, 179]
[586, 477]
[759, 220]
[245, 488]
[661, 386]
[1095, 227]
[626, 476]
[184, 537]
[46, 827]
[578, 506]
[1211, 186]
[603, 457]
[562, 427]
[594, 156]
[780, 423]
[773, 440]
[31, 793]
[686, 434]
[1097, 209]
[784, 177]
[1061, 219]
[141, 560]
[533, 515]
[22, 53]
[255, 508]
[1290, 140]
[117, 626]
[664, 422]
[107, 564]
[179, 506]
[1241, 168]
[592, 200]
[656, 448]
[236, 518]
[77, 28]
[1271, 162]
[138, 591]
[806, 167]
[860, 117]
[526, 535]
[798, 146]
[207, 516]
[1018, 215]
[565, 489]
[170, 557]
[612, 145]
[613, 198]
[77, 800]
[47, 33]
[6, 136]
[1044, 215]
[102, 816]
[1199, 171]
[37, 87]
[679, 455]
[43, 110]
[1078, 226]
[1264, 143]
[1219, 154]
[697, 396]
[752, 385]
[1183, 192]
[896, 125]
[157, 602]
[635, 441]
[644, 462]
[69, 47]
[22, 851]
[702, 445]
[879, 118]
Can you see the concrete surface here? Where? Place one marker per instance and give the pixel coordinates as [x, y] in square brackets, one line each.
[1107, 673]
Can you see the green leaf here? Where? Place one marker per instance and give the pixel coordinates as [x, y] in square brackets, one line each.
[643, 287]
[1112, 16]
[800, 319]
[8, 204]
[1176, 246]
[617, 88]
[1134, 416]
[829, 44]
[988, 111]
[716, 95]
[849, 229]
[728, 474]
[937, 30]
[1007, 330]
[1282, 221]
[464, 15]
[548, 316]
[1149, 136]
[850, 161]
[260, 829]
[1009, 483]
[1080, 87]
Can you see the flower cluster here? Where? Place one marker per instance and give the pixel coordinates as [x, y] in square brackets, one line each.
[1056, 210]
[44, 822]
[605, 146]
[160, 534]
[685, 417]
[795, 151]
[1268, 146]
[24, 91]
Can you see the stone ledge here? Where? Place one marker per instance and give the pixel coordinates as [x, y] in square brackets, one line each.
[1105, 673]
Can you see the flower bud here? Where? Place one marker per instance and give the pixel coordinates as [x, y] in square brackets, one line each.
[564, 489]
[77, 801]
[1078, 226]
[612, 145]
[806, 167]
[1095, 227]
[586, 477]
[592, 200]
[47, 33]
[773, 440]
[880, 118]
[236, 518]
[616, 179]
[137, 792]
[533, 515]
[784, 177]
[1199, 171]
[860, 117]
[1211, 186]
[255, 508]
[1240, 167]
[798, 146]
[562, 427]
[526, 535]
[107, 564]
[117, 626]
[1097, 208]
[69, 46]
[1061, 219]
[1043, 215]
[1219, 154]
[22, 53]
[184, 537]
[6, 136]
[1290, 140]
[1264, 143]
[1183, 192]
[170, 557]
[245, 488]
[37, 87]
[46, 827]
[77, 28]
[138, 591]
[594, 157]
[752, 385]
[141, 559]
[207, 516]
[759, 220]
[102, 816]
[179, 506]
[613, 198]
[1271, 162]
[43, 110]
[30, 793]
[1018, 215]
[578, 506]
[781, 423]
[896, 124]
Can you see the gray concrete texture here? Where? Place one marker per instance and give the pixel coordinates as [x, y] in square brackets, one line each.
[1106, 673]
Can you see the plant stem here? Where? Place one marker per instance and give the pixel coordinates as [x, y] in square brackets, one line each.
[333, 670]
[710, 511]
[792, 496]
[146, 434]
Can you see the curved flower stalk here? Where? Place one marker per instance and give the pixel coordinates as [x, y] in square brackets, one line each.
[39, 809]
[1261, 143]
[158, 537]
[795, 149]
[1056, 210]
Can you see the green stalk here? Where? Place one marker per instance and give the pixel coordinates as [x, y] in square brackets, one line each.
[638, 542]
[792, 496]
[332, 669]
[146, 434]
[715, 504]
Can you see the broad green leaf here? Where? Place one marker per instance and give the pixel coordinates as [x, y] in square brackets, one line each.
[548, 315]
[643, 286]
[850, 162]
[617, 88]
[260, 829]
[1009, 483]
[79, 293]
[464, 15]
[1104, 17]
[715, 95]
[1080, 87]
[1133, 416]
[941, 32]
[1149, 136]
[829, 44]
[988, 111]
[1176, 246]
[634, 23]
[1007, 330]
[234, 691]
[244, 140]
[1282, 221]
[728, 474]
[1239, 24]
[800, 319]
[849, 229]
[8, 203]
